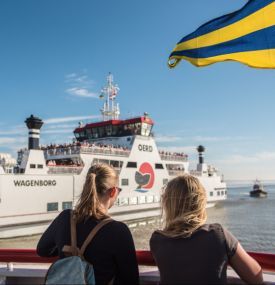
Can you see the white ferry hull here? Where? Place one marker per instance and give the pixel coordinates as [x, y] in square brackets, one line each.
[25, 198]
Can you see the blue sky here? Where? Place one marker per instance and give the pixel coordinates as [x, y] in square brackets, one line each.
[55, 56]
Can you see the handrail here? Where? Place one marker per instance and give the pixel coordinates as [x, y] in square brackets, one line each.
[144, 257]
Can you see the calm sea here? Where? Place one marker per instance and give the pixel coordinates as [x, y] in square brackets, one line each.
[251, 220]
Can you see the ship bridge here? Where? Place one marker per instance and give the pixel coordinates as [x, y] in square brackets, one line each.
[115, 128]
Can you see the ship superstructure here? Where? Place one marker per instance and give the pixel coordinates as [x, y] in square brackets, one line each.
[49, 179]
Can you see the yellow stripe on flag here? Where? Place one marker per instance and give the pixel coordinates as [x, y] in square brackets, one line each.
[259, 20]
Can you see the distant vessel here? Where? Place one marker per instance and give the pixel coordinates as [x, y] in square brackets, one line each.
[49, 179]
[258, 190]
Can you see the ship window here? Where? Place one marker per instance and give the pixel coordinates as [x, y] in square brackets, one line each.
[95, 132]
[40, 166]
[133, 201]
[211, 193]
[124, 181]
[102, 132]
[222, 193]
[131, 164]
[123, 201]
[52, 207]
[159, 166]
[89, 133]
[141, 199]
[145, 129]
[156, 198]
[165, 181]
[32, 165]
[218, 192]
[106, 161]
[95, 161]
[67, 205]
[225, 192]
[116, 163]
[150, 199]
[109, 130]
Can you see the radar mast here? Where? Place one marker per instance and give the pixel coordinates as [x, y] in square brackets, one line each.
[110, 110]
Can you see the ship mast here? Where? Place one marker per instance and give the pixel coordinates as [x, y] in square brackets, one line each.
[110, 110]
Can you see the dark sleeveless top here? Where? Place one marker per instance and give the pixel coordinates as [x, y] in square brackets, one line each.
[112, 251]
[199, 259]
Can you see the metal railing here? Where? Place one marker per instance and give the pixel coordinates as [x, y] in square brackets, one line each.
[57, 169]
[144, 257]
[173, 157]
[86, 149]
[176, 172]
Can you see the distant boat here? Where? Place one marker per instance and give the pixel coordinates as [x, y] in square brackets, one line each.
[258, 190]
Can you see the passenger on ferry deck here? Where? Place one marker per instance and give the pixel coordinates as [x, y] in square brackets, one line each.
[189, 251]
[112, 251]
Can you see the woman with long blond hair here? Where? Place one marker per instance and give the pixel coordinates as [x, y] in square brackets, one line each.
[111, 251]
[189, 251]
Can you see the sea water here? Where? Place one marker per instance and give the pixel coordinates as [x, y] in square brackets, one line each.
[251, 220]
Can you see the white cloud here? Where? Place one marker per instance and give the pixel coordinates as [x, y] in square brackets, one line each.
[81, 92]
[244, 159]
[68, 119]
[80, 85]
[218, 139]
[185, 149]
[164, 138]
[58, 131]
[6, 140]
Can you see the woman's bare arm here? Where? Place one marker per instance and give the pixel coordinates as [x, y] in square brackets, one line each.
[247, 267]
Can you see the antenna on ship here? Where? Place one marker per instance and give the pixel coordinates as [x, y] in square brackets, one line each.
[110, 110]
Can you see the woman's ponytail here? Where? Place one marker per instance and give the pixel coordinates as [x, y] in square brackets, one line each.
[98, 180]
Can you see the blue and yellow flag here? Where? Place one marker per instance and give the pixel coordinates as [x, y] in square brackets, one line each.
[247, 36]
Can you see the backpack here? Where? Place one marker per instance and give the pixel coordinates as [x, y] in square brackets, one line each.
[73, 269]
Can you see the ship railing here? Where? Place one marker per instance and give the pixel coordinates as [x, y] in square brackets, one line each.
[173, 157]
[13, 273]
[86, 149]
[62, 169]
[62, 151]
[105, 151]
[176, 172]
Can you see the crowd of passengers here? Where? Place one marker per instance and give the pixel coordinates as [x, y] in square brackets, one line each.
[177, 154]
[83, 145]
[186, 249]
[110, 147]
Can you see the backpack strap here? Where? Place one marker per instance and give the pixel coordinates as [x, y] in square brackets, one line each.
[72, 249]
[92, 235]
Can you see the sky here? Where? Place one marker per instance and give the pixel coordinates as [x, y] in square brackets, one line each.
[55, 56]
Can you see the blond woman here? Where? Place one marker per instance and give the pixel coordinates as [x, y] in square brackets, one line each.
[112, 251]
[189, 251]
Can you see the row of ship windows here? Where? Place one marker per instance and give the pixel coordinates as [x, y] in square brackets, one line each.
[52, 207]
[124, 201]
[219, 193]
[130, 164]
[125, 181]
[39, 166]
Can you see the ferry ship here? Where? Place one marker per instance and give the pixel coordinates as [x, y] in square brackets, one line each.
[47, 180]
